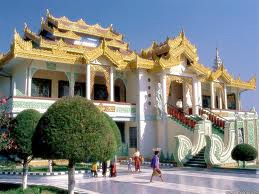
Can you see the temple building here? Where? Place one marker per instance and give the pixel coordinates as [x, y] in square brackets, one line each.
[138, 90]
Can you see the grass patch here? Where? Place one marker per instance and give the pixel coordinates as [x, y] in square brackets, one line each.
[14, 189]
[13, 167]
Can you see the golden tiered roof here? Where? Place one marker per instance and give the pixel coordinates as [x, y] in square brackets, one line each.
[80, 26]
[155, 58]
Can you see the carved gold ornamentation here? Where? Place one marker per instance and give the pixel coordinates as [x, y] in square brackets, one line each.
[117, 44]
[55, 32]
[80, 26]
[142, 63]
[101, 69]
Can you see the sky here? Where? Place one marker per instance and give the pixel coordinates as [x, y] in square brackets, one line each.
[232, 26]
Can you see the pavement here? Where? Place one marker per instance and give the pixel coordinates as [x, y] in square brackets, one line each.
[176, 181]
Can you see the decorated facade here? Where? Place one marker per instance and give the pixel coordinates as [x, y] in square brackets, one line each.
[138, 90]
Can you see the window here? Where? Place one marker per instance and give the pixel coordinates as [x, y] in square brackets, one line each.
[100, 92]
[41, 87]
[206, 101]
[63, 89]
[133, 137]
[79, 89]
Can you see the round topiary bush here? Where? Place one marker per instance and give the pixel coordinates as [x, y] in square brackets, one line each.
[74, 128]
[244, 152]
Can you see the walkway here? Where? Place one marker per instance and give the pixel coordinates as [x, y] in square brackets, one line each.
[176, 181]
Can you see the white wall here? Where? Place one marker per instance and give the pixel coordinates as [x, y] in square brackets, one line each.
[147, 121]
[19, 80]
[175, 129]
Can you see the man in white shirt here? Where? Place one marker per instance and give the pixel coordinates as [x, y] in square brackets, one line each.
[179, 104]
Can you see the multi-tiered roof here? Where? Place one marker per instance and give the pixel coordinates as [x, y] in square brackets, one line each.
[56, 39]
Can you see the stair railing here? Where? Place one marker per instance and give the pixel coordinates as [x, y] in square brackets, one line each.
[214, 118]
[180, 115]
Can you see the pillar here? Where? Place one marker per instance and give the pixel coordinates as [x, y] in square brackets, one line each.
[88, 82]
[212, 95]
[72, 84]
[238, 100]
[111, 83]
[199, 93]
[195, 97]
[185, 106]
[164, 92]
[220, 99]
[29, 80]
[163, 125]
[225, 97]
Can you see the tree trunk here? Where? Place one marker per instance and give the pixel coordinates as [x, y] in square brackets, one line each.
[25, 173]
[244, 164]
[71, 177]
[50, 165]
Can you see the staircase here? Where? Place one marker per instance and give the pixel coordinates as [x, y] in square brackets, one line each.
[197, 160]
[181, 118]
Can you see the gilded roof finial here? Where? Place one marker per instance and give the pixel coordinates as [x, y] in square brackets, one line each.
[42, 20]
[25, 26]
[48, 13]
[182, 34]
[111, 27]
[217, 61]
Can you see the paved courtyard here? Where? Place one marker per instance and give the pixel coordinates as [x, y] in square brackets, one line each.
[176, 181]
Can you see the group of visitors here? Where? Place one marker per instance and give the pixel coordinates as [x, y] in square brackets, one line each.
[138, 160]
[113, 172]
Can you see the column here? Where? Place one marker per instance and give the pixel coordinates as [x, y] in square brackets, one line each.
[225, 97]
[72, 84]
[199, 93]
[164, 120]
[88, 81]
[195, 97]
[185, 106]
[238, 100]
[111, 84]
[220, 99]
[29, 80]
[212, 95]
[164, 92]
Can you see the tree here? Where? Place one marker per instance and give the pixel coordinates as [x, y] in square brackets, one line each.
[24, 127]
[115, 129]
[244, 152]
[73, 128]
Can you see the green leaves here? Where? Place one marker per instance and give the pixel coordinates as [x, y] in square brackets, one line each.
[244, 152]
[73, 128]
[24, 128]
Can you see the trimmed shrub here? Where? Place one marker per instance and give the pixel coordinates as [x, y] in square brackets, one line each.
[244, 152]
[74, 128]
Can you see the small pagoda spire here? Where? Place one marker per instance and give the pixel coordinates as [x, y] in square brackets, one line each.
[217, 61]
[182, 34]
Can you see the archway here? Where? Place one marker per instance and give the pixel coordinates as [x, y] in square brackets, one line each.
[100, 91]
[119, 91]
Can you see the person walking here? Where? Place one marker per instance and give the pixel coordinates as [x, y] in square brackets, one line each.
[104, 168]
[129, 165]
[155, 165]
[137, 160]
[94, 169]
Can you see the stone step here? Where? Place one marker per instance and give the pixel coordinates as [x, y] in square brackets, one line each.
[196, 162]
[197, 165]
[197, 159]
